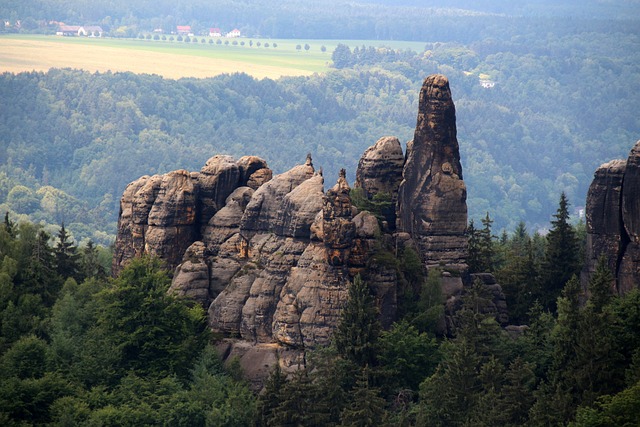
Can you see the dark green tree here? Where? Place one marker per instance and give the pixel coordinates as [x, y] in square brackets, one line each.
[366, 407]
[271, 397]
[561, 259]
[359, 327]
[153, 332]
[474, 257]
[67, 256]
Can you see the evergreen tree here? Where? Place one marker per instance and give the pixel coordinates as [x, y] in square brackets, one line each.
[474, 251]
[561, 256]
[66, 254]
[601, 285]
[90, 263]
[296, 402]
[366, 407]
[487, 245]
[359, 327]
[271, 396]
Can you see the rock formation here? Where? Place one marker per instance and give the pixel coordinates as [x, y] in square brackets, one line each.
[613, 221]
[163, 215]
[271, 257]
[432, 205]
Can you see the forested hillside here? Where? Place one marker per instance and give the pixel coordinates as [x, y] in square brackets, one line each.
[561, 105]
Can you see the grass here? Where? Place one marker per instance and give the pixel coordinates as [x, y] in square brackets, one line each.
[175, 59]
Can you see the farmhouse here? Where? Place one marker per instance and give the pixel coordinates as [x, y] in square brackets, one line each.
[76, 30]
[215, 32]
[233, 33]
[183, 30]
[68, 30]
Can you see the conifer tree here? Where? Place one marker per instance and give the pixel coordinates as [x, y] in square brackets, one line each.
[270, 397]
[474, 257]
[67, 257]
[359, 327]
[366, 407]
[561, 256]
[487, 249]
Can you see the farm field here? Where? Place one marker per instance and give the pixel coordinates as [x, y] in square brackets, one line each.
[173, 59]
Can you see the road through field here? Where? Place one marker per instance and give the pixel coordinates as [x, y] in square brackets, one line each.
[170, 60]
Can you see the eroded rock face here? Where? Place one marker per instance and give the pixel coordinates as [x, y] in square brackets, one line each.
[380, 173]
[613, 221]
[432, 197]
[163, 215]
[337, 228]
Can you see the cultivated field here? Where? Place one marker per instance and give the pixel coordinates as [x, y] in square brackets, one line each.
[172, 59]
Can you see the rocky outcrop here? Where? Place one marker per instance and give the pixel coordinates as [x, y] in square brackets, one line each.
[432, 196]
[163, 215]
[379, 175]
[337, 228]
[271, 257]
[613, 221]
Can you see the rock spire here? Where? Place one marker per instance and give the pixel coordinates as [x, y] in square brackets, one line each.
[432, 205]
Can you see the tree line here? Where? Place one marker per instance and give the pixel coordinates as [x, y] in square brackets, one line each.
[79, 348]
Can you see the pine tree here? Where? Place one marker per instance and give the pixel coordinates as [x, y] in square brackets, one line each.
[487, 245]
[561, 256]
[600, 286]
[90, 263]
[270, 397]
[366, 408]
[359, 327]
[474, 257]
[67, 257]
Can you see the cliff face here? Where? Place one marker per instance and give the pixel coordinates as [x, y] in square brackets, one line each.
[613, 221]
[271, 257]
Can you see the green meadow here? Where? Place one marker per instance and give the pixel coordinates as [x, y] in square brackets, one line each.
[175, 59]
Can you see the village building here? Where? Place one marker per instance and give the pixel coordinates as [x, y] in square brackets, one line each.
[215, 32]
[183, 30]
[233, 33]
[76, 30]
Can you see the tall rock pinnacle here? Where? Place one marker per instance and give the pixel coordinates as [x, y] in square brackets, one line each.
[432, 204]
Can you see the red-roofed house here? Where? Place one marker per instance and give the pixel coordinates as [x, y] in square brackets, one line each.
[234, 33]
[215, 32]
[183, 29]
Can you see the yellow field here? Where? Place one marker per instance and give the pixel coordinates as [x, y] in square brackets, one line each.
[19, 54]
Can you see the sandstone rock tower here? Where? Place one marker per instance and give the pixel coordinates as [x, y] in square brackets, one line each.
[613, 221]
[432, 199]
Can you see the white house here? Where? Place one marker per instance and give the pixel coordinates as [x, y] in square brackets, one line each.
[234, 33]
[215, 32]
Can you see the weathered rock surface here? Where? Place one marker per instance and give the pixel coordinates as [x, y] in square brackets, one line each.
[432, 204]
[613, 221]
[191, 278]
[337, 228]
[163, 215]
[380, 173]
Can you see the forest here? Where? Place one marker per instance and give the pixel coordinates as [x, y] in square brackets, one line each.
[80, 348]
[71, 140]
